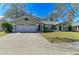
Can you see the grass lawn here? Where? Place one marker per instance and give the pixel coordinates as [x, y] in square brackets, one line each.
[2, 33]
[57, 37]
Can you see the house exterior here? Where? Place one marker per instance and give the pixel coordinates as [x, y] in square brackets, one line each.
[63, 26]
[32, 24]
[29, 23]
[50, 25]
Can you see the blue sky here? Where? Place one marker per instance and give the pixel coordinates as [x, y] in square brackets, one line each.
[2, 10]
[38, 9]
[41, 9]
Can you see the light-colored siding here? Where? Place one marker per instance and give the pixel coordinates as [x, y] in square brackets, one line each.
[26, 22]
[23, 22]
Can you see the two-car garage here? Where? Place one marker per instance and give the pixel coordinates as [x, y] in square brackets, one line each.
[23, 28]
[26, 24]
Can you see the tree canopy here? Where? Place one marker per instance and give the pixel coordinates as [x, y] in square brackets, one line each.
[15, 10]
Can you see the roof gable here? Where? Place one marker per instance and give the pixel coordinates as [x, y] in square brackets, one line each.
[29, 17]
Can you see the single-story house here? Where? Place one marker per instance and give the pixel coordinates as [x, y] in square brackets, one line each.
[75, 27]
[29, 23]
[33, 24]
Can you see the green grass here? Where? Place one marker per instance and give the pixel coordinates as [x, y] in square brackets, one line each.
[57, 37]
[2, 34]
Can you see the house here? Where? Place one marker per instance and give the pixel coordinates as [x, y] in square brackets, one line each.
[30, 23]
[75, 27]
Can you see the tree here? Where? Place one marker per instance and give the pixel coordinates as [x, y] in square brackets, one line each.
[59, 11]
[72, 11]
[7, 27]
[15, 10]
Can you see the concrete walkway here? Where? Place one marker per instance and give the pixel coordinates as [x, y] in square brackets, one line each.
[34, 44]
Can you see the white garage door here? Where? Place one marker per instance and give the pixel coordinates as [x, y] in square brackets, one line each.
[26, 29]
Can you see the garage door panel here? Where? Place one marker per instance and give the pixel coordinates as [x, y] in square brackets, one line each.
[26, 29]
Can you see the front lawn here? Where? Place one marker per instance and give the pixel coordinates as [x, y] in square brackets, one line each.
[57, 37]
[2, 34]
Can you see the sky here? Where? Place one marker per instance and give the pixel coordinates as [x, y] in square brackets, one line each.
[40, 9]
[37, 9]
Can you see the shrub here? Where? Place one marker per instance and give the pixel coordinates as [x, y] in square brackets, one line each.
[7, 27]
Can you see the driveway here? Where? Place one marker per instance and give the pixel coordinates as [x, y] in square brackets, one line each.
[34, 44]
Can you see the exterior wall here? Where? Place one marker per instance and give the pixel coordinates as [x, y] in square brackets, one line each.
[48, 27]
[25, 22]
[63, 27]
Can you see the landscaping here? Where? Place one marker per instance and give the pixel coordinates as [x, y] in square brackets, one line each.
[58, 37]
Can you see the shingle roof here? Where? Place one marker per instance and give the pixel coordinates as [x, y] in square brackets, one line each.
[38, 20]
[30, 17]
[50, 22]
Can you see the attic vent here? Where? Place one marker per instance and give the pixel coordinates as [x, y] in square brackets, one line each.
[26, 18]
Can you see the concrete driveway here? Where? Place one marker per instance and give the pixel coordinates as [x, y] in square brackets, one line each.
[34, 44]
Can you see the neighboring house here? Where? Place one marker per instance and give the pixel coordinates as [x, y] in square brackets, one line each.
[75, 27]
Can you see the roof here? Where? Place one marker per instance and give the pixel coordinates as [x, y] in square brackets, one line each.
[36, 19]
[50, 22]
